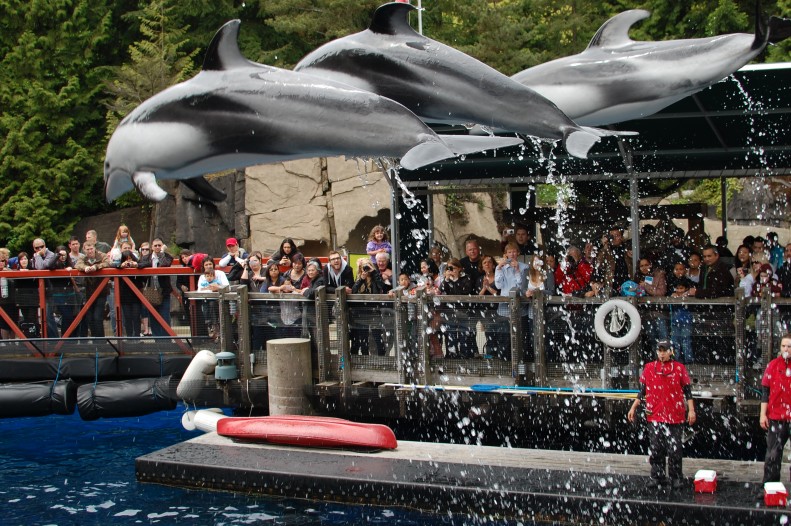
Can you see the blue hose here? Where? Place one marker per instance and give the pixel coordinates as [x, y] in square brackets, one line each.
[493, 387]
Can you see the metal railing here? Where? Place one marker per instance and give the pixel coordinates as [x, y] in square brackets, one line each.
[419, 339]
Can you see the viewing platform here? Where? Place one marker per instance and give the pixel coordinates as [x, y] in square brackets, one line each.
[526, 484]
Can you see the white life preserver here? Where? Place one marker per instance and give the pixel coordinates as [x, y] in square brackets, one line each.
[634, 319]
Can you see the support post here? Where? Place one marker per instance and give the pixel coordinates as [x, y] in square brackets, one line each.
[290, 376]
[344, 357]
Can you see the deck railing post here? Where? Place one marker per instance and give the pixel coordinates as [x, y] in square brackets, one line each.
[538, 305]
[401, 336]
[226, 324]
[738, 329]
[518, 366]
[423, 321]
[634, 352]
[344, 358]
[766, 318]
[243, 343]
[322, 332]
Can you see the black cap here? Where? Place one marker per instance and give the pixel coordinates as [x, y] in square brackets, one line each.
[664, 344]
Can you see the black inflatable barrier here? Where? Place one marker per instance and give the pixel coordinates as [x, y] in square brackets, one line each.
[125, 398]
[85, 369]
[38, 399]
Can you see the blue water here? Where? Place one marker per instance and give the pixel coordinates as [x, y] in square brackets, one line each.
[61, 470]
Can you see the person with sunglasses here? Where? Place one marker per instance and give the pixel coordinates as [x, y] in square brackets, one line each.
[666, 390]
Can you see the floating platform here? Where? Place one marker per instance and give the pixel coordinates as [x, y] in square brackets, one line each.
[528, 484]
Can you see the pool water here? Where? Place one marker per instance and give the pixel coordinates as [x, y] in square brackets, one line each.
[61, 470]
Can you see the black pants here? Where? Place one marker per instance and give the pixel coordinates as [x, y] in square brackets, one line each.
[776, 438]
[666, 450]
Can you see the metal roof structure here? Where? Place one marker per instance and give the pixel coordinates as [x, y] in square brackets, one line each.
[739, 127]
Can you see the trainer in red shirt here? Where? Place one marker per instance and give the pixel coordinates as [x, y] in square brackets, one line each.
[776, 409]
[664, 386]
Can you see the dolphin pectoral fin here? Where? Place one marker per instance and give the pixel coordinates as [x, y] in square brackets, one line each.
[601, 132]
[579, 141]
[452, 145]
[425, 153]
[205, 189]
[146, 184]
[463, 144]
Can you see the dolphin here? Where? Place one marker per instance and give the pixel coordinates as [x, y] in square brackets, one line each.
[441, 84]
[618, 79]
[237, 113]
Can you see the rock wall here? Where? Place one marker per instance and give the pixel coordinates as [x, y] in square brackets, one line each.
[762, 200]
[319, 203]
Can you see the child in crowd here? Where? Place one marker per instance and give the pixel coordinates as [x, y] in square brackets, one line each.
[681, 323]
[405, 285]
[377, 242]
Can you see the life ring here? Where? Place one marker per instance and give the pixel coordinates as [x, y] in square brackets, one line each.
[634, 319]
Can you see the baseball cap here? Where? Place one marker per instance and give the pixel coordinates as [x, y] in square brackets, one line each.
[664, 344]
[231, 241]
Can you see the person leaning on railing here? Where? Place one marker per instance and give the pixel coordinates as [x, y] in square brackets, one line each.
[130, 304]
[156, 258]
[715, 279]
[460, 337]
[91, 261]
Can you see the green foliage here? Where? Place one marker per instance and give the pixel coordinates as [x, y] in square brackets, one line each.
[782, 51]
[157, 62]
[58, 57]
[301, 26]
[51, 124]
[709, 191]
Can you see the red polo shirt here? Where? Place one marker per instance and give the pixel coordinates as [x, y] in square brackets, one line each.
[664, 394]
[779, 406]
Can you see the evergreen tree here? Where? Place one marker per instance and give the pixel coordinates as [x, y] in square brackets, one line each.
[157, 62]
[51, 125]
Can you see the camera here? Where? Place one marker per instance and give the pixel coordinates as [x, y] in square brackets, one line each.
[510, 231]
[368, 268]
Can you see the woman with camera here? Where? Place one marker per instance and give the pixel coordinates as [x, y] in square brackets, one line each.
[369, 281]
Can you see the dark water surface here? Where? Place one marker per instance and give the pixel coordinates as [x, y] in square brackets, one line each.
[61, 470]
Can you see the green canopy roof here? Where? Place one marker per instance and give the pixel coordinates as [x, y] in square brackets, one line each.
[739, 127]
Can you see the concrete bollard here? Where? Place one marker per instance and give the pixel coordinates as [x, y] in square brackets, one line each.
[290, 376]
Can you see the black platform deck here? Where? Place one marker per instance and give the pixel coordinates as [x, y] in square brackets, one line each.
[537, 485]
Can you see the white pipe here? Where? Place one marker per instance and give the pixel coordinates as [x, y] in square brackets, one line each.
[191, 382]
[203, 419]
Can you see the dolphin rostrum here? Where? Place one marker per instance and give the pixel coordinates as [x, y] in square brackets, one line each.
[237, 113]
[441, 84]
[618, 79]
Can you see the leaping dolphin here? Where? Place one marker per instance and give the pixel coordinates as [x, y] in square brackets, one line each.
[441, 84]
[237, 113]
[618, 79]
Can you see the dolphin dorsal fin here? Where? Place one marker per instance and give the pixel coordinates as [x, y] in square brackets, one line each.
[392, 19]
[223, 51]
[615, 31]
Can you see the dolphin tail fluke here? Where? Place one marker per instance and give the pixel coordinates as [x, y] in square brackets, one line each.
[450, 146]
